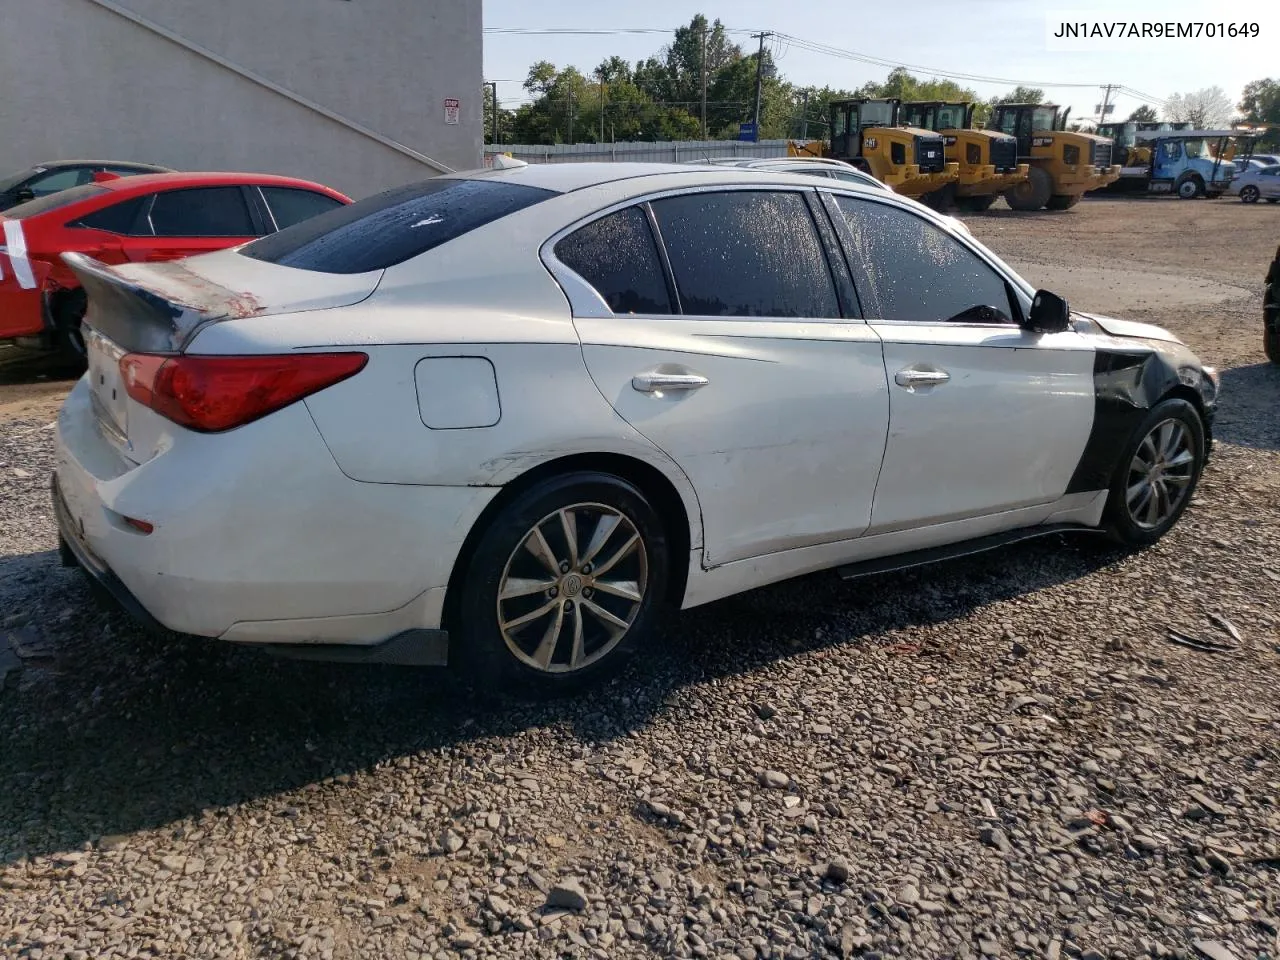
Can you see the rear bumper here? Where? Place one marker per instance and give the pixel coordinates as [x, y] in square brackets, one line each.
[73, 546]
[258, 538]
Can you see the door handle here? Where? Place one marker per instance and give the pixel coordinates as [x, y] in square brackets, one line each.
[912, 378]
[654, 382]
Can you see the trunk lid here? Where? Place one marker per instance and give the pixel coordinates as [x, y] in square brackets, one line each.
[157, 308]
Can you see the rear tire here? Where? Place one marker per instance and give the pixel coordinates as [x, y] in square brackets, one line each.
[68, 308]
[1063, 201]
[1157, 474]
[539, 615]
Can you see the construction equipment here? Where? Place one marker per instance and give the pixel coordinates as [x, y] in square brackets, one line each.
[987, 160]
[1064, 164]
[1128, 152]
[866, 134]
[1189, 163]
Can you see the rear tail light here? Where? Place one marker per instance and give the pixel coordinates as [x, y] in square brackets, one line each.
[210, 394]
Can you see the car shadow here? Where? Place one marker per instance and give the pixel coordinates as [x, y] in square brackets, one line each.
[1249, 411]
[117, 730]
[20, 366]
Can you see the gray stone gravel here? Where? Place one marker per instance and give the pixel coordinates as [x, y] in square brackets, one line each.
[1001, 757]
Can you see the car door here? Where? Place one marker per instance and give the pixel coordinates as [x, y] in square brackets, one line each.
[1268, 182]
[984, 416]
[190, 221]
[714, 324]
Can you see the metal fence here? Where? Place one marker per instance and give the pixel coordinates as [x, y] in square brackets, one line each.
[668, 152]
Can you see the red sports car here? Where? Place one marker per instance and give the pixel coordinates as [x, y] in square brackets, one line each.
[132, 220]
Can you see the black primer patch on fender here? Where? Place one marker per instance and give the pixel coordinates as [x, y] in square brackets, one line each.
[1127, 383]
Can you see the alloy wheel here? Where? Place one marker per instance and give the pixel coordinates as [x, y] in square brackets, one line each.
[1160, 474]
[572, 588]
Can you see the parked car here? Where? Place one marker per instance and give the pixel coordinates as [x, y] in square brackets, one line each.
[1257, 183]
[1271, 311]
[815, 166]
[818, 167]
[132, 220]
[46, 178]
[369, 437]
[1266, 159]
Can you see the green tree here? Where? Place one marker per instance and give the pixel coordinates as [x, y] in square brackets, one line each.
[1021, 94]
[1144, 114]
[1261, 102]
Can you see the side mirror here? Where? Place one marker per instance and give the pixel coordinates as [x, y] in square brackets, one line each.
[1049, 313]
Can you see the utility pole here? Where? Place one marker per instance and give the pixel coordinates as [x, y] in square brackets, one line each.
[1106, 102]
[493, 86]
[759, 77]
[804, 118]
[704, 80]
[602, 106]
[571, 115]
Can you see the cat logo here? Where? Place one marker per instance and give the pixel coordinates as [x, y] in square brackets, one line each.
[950, 141]
[1042, 141]
[871, 143]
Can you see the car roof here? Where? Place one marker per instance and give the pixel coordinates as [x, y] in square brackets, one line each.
[155, 181]
[127, 164]
[568, 177]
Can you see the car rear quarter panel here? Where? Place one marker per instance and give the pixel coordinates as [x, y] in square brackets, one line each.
[467, 299]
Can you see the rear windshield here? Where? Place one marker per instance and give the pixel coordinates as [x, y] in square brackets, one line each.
[63, 198]
[393, 227]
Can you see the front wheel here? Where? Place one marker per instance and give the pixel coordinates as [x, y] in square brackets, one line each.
[1032, 193]
[566, 581]
[1157, 474]
[1189, 186]
[1249, 194]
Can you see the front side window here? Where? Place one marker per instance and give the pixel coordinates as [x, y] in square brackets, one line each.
[201, 212]
[56, 180]
[748, 253]
[617, 256]
[392, 227]
[919, 273]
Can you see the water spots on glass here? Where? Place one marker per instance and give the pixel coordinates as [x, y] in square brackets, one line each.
[746, 254]
[618, 257]
[920, 273]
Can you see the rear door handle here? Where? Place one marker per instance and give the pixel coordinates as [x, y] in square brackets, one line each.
[912, 378]
[654, 382]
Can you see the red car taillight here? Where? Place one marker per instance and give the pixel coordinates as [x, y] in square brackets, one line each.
[218, 393]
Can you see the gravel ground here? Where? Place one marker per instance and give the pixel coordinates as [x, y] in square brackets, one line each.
[1000, 757]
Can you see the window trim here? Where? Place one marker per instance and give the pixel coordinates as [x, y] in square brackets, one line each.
[587, 304]
[866, 291]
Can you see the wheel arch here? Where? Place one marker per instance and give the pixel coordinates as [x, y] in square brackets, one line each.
[656, 486]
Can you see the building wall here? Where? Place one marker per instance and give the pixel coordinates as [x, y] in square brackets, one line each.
[79, 80]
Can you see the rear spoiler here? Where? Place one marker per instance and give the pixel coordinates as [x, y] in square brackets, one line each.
[163, 315]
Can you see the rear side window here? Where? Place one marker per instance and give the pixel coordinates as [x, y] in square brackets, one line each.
[290, 205]
[63, 198]
[617, 256]
[746, 254]
[118, 218]
[201, 212]
[395, 226]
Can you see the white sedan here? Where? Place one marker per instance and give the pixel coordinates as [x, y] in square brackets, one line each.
[508, 417]
[1257, 183]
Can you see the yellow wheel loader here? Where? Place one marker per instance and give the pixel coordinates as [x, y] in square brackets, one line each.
[1064, 165]
[866, 134]
[987, 160]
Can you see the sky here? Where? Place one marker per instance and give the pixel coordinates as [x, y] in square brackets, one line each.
[1000, 39]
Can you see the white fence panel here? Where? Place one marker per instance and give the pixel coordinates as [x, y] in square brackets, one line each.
[636, 152]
